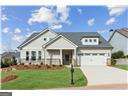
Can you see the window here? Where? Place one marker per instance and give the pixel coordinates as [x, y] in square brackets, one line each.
[80, 54]
[87, 54]
[102, 54]
[33, 55]
[94, 40]
[90, 40]
[27, 55]
[94, 54]
[86, 40]
[39, 55]
[45, 39]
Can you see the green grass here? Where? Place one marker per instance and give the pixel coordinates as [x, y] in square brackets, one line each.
[44, 79]
[124, 67]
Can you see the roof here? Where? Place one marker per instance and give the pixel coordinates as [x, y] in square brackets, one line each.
[75, 37]
[15, 54]
[123, 31]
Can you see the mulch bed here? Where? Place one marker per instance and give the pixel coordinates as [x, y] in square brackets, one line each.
[9, 78]
[39, 67]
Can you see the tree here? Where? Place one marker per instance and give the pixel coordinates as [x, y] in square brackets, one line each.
[117, 55]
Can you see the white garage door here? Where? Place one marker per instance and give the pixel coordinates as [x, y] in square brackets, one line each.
[93, 59]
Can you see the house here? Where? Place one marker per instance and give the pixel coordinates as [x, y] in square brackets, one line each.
[119, 40]
[78, 48]
[11, 56]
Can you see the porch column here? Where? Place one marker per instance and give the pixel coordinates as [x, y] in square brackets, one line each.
[74, 57]
[61, 56]
[37, 57]
[44, 56]
[30, 55]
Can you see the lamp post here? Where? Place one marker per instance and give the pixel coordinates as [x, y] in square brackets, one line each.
[72, 71]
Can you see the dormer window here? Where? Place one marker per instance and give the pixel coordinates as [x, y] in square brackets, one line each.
[94, 40]
[86, 40]
[90, 40]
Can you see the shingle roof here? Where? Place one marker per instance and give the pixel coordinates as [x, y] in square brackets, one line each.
[123, 31]
[30, 37]
[76, 36]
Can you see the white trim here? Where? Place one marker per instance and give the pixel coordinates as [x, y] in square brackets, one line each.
[50, 41]
[69, 40]
[43, 31]
[62, 37]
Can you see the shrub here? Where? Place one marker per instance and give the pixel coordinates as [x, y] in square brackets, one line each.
[126, 56]
[7, 62]
[118, 55]
[3, 65]
[113, 62]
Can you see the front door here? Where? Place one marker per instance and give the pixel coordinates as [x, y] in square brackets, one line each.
[67, 57]
[66, 60]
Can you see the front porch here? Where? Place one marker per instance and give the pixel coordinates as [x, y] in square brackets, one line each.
[62, 56]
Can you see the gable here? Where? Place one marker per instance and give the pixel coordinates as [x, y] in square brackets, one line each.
[39, 41]
[61, 43]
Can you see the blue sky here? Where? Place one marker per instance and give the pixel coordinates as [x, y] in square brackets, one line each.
[19, 22]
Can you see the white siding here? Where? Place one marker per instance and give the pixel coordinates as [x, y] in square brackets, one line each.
[36, 45]
[61, 43]
[119, 42]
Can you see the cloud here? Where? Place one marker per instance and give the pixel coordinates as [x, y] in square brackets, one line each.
[18, 38]
[56, 27]
[79, 10]
[116, 10]
[44, 14]
[50, 16]
[91, 22]
[110, 21]
[64, 13]
[4, 17]
[17, 30]
[5, 30]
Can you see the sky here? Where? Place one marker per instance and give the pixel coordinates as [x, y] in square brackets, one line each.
[19, 22]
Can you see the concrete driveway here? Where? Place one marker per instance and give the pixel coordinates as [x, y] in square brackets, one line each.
[101, 75]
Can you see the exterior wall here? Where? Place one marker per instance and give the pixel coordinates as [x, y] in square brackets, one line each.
[61, 43]
[50, 51]
[119, 42]
[36, 45]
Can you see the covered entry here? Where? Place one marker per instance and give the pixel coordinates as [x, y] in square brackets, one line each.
[67, 50]
[67, 57]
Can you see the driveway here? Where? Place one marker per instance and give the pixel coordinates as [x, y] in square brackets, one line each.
[101, 75]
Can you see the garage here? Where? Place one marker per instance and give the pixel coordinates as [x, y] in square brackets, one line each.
[93, 59]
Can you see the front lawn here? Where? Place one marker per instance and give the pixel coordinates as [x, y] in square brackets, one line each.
[44, 79]
[124, 67]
